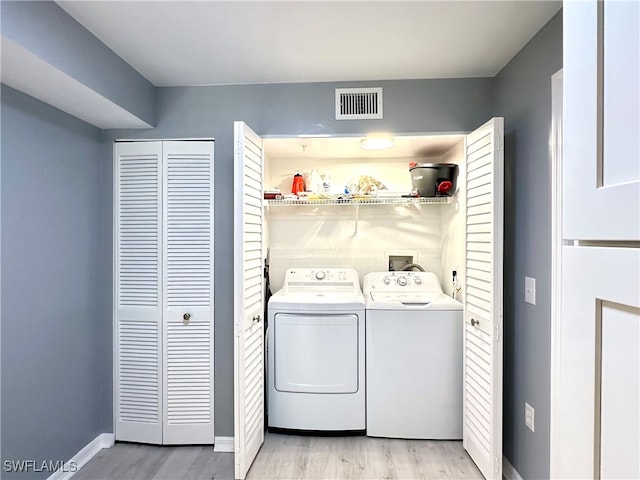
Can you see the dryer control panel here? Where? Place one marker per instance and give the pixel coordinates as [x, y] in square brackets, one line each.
[319, 277]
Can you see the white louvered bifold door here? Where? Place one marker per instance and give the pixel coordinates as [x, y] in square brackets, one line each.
[482, 424]
[248, 298]
[188, 292]
[137, 292]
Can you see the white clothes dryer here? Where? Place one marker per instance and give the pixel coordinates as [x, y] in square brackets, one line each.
[316, 352]
[414, 357]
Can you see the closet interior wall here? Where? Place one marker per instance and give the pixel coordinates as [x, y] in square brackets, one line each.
[327, 235]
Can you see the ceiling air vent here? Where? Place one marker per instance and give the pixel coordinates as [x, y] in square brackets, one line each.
[358, 103]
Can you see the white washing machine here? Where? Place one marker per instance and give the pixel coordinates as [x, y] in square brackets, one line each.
[316, 352]
[414, 357]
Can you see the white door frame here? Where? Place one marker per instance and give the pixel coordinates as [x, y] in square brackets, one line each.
[556, 265]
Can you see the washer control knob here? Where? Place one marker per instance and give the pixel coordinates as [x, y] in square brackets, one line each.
[418, 281]
[386, 280]
[402, 281]
[320, 275]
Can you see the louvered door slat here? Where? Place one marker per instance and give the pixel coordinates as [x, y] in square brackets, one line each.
[188, 292]
[138, 313]
[184, 239]
[249, 299]
[188, 352]
[138, 372]
[482, 427]
[188, 235]
[133, 172]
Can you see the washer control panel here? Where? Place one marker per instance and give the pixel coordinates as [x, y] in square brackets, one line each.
[401, 281]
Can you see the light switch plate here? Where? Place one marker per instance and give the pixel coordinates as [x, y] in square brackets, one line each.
[529, 417]
[530, 290]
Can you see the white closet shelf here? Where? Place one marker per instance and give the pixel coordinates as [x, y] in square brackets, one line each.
[359, 201]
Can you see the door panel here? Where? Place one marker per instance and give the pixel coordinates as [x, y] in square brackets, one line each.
[482, 386]
[601, 187]
[137, 280]
[620, 392]
[248, 298]
[599, 360]
[621, 92]
[188, 293]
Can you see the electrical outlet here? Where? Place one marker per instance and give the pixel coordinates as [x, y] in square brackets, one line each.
[529, 416]
[530, 290]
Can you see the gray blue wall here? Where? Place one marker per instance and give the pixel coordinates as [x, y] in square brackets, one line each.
[56, 326]
[291, 109]
[57, 237]
[522, 95]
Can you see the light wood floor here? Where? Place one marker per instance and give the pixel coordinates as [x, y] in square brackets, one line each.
[132, 461]
[289, 457]
[300, 457]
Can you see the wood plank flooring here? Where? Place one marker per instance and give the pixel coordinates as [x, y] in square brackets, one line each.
[132, 461]
[289, 457]
[322, 458]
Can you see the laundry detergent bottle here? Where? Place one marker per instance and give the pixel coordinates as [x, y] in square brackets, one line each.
[298, 183]
[315, 181]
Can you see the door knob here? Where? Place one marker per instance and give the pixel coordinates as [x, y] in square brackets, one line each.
[186, 316]
[474, 322]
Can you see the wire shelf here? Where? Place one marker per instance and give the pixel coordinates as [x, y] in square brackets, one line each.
[308, 202]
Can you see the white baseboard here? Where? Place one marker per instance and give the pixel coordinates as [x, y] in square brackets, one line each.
[508, 471]
[80, 459]
[224, 445]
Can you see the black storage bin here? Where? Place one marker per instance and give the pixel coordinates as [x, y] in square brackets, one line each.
[434, 179]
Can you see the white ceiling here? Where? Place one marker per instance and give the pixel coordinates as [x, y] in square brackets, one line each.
[410, 146]
[242, 42]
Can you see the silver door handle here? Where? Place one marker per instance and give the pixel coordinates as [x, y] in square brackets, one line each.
[186, 317]
[474, 322]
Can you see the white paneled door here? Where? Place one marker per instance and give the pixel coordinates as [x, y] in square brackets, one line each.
[482, 403]
[248, 298]
[595, 418]
[164, 292]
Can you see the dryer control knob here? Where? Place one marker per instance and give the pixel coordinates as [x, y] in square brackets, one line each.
[386, 280]
[320, 275]
[402, 281]
[418, 281]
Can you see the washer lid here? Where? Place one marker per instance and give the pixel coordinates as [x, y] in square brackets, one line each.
[411, 301]
[404, 297]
